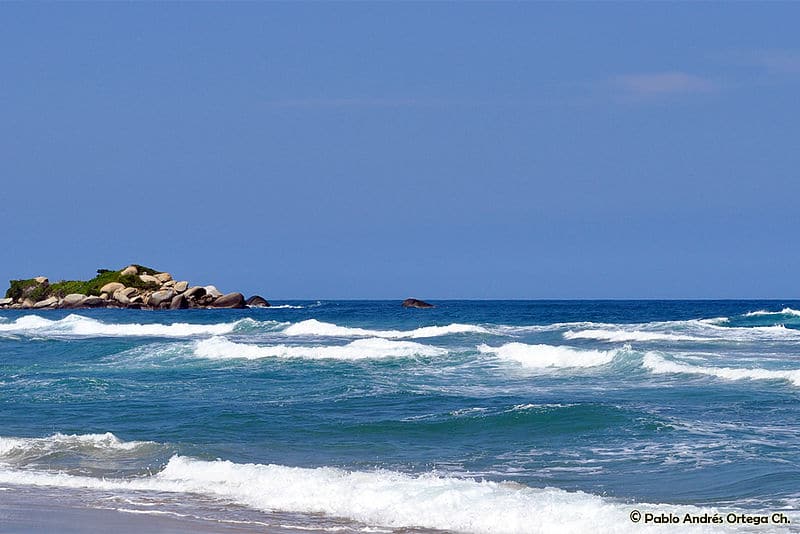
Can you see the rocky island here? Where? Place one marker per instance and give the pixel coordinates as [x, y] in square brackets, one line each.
[134, 287]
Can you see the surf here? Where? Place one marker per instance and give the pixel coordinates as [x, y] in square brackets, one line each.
[379, 497]
[220, 348]
[547, 356]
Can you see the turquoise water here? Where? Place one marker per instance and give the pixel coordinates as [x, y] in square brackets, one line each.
[473, 416]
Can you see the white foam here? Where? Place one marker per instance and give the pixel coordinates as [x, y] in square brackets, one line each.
[80, 326]
[313, 327]
[60, 442]
[539, 356]
[658, 364]
[698, 330]
[785, 311]
[371, 348]
[620, 336]
[381, 498]
[546, 406]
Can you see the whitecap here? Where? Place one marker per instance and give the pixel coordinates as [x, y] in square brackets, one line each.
[540, 356]
[619, 336]
[381, 498]
[61, 442]
[79, 326]
[659, 365]
[785, 311]
[219, 348]
[313, 327]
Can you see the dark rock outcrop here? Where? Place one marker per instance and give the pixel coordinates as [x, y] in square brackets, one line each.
[231, 300]
[94, 302]
[178, 303]
[416, 303]
[257, 301]
[164, 295]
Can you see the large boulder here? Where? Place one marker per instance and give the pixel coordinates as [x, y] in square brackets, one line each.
[129, 292]
[28, 303]
[213, 292]
[73, 300]
[257, 301]
[6, 302]
[180, 287]
[46, 303]
[111, 287]
[124, 295]
[178, 302]
[95, 302]
[163, 277]
[416, 303]
[231, 300]
[129, 270]
[42, 280]
[195, 292]
[158, 297]
[149, 279]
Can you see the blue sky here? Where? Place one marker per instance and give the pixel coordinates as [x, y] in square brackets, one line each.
[388, 150]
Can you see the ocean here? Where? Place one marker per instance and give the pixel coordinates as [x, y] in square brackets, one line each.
[363, 416]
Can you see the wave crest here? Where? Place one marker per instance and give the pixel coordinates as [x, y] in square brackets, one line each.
[79, 326]
[785, 311]
[659, 365]
[540, 356]
[313, 327]
[620, 336]
[61, 442]
[385, 498]
[220, 348]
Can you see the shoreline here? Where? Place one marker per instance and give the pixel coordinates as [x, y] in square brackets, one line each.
[44, 509]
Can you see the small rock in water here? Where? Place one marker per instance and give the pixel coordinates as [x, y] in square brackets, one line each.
[416, 303]
[257, 301]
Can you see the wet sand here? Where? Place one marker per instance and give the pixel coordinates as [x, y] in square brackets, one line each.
[45, 510]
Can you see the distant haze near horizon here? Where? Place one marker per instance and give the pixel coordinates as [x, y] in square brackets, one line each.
[441, 151]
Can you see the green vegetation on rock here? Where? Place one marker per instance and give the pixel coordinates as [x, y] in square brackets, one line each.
[30, 288]
[35, 291]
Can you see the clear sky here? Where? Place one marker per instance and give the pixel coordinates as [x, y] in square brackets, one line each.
[441, 150]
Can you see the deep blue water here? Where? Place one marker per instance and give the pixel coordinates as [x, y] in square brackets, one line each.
[614, 402]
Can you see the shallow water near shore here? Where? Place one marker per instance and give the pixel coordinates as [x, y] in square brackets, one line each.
[362, 416]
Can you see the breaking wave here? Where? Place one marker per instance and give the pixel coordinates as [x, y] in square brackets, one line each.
[371, 348]
[381, 497]
[539, 356]
[785, 311]
[80, 326]
[313, 327]
[627, 335]
[658, 364]
[61, 442]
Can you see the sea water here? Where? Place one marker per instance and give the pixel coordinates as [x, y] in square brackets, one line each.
[474, 416]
